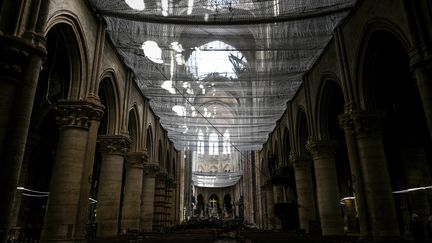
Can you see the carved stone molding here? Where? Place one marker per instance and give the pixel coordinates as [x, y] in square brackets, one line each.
[322, 149]
[76, 113]
[363, 124]
[136, 159]
[346, 122]
[114, 144]
[420, 57]
[151, 169]
[368, 124]
[15, 56]
[97, 113]
[298, 162]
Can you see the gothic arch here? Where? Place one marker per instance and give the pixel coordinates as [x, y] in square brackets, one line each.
[286, 147]
[329, 91]
[134, 129]
[369, 32]
[389, 89]
[77, 49]
[303, 132]
[149, 143]
[108, 97]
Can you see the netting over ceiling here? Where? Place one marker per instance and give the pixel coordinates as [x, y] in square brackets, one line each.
[220, 66]
[212, 180]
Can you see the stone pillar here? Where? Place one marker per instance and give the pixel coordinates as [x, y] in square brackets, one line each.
[169, 204]
[133, 189]
[20, 63]
[86, 181]
[345, 121]
[271, 219]
[305, 191]
[421, 66]
[278, 197]
[66, 180]
[376, 179]
[147, 197]
[114, 148]
[159, 203]
[323, 154]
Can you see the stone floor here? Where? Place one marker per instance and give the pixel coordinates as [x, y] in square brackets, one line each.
[235, 236]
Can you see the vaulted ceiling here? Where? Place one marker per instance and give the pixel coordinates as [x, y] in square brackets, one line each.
[220, 65]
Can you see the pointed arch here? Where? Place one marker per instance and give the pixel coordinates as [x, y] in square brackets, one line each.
[330, 104]
[108, 97]
[134, 129]
[363, 55]
[77, 49]
[149, 143]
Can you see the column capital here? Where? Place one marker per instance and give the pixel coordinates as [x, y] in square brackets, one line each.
[346, 121]
[298, 161]
[361, 123]
[322, 149]
[420, 57]
[151, 169]
[136, 159]
[98, 108]
[75, 113]
[16, 53]
[114, 144]
[368, 124]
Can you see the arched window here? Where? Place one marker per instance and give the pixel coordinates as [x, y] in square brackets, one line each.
[226, 144]
[200, 145]
[213, 144]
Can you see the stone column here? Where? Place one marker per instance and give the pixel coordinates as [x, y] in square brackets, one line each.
[159, 202]
[114, 148]
[147, 197]
[66, 180]
[323, 154]
[278, 197]
[133, 190]
[20, 63]
[345, 121]
[305, 191]
[271, 219]
[86, 181]
[376, 179]
[421, 66]
[169, 203]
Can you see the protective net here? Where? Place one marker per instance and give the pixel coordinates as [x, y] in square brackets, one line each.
[221, 67]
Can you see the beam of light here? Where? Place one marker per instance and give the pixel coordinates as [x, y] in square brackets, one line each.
[29, 190]
[190, 7]
[34, 195]
[136, 4]
[342, 201]
[152, 51]
[164, 7]
[413, 189]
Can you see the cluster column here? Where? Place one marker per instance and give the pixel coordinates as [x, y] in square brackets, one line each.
[133, 190]
[63, 207]
[113, 148]
[323, 154]
[148, 197]
[305, 191]
[20, 64]
[376, 179]
[345, 121]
